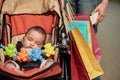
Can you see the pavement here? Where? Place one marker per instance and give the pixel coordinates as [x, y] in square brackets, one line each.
[109, 40]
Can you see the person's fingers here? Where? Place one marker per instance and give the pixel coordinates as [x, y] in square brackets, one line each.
[94, 11]
[100, 17]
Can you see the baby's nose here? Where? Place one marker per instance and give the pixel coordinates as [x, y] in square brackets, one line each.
[32, 43]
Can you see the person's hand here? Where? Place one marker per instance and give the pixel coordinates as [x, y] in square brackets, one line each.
[101, 9]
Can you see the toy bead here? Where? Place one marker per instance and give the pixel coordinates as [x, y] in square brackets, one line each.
[9, 50]
[22, 55]
[36, 54]
[49, 49]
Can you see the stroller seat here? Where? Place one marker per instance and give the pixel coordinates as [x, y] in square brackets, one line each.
[14, 27]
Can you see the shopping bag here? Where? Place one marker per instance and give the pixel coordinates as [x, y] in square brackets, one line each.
[91, 64]
[84, 28]
[95, 46]
[78, 70]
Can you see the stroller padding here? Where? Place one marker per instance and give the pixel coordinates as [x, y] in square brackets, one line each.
[21, 23]
[35, 73]
[17, 24]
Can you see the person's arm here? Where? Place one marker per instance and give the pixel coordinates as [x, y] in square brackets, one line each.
[101, 9]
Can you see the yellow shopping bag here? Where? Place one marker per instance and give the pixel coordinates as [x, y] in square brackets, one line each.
[91, 64]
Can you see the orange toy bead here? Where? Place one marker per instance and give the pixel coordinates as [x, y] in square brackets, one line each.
[22, 55]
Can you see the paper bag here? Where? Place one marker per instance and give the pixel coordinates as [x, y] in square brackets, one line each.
[91, 64]
[84, 28]
[95, 45]
[78, 70]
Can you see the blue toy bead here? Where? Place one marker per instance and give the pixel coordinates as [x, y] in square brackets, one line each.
[36, 54]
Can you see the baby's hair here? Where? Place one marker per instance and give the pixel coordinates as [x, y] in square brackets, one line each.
[38, 29]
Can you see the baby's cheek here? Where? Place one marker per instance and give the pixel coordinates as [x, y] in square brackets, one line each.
[40, 46]
[36, 46]
[26, 44]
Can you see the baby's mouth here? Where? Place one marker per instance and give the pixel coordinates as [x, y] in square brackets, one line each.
[30, 47]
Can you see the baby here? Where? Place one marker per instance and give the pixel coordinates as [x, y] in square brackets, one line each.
[34, 38]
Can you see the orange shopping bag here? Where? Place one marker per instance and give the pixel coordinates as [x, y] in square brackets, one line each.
[90, 62]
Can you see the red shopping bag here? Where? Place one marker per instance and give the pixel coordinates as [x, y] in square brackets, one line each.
[78, 71]
[91, 64]
[95, 45]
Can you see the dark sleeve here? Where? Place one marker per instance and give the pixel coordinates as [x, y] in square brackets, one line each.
[19, 46]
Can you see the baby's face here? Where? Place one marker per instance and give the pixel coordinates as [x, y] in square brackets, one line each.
[33, 39]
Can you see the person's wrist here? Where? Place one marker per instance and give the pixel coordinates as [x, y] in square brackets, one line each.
[105, 2]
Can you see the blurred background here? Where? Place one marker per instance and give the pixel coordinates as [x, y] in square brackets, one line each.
[115, 1]
[109, 41]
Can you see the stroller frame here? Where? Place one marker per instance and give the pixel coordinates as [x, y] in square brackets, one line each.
[61, 76]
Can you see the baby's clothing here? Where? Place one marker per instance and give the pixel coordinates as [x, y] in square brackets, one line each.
[25, 65]
[29, 64]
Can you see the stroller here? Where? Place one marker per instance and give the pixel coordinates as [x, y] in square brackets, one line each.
[17, 21]
[48, 14]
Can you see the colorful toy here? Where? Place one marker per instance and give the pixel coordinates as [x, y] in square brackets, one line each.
[49, 49]
[22, 55]
[10, 50]
[36, 54]
[25, 53]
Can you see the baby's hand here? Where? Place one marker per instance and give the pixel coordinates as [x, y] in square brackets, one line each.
[43, 63]
[46, 63]
[14, 58]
